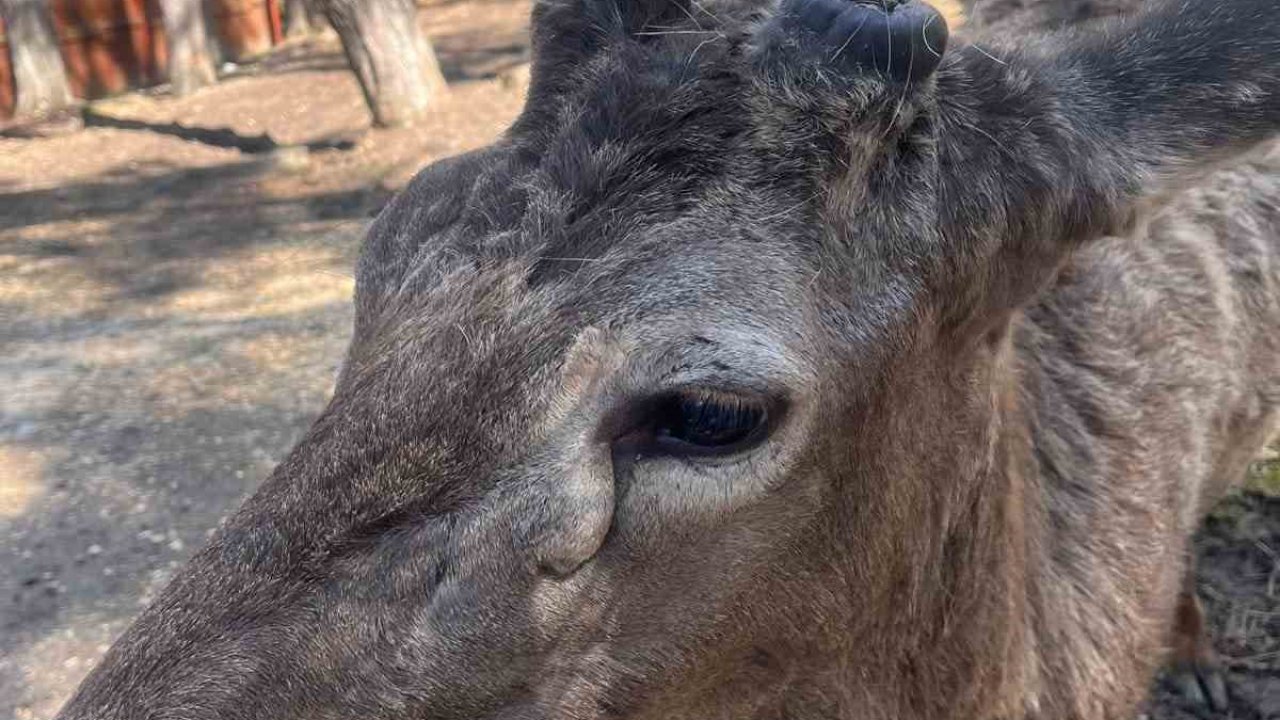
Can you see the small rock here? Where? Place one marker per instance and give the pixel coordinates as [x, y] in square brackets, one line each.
[291, 158]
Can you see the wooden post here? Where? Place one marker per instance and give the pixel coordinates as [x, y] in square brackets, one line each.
[190, 55]
[40, 77]
[393, 61]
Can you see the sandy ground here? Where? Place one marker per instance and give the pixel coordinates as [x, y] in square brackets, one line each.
[172, 313]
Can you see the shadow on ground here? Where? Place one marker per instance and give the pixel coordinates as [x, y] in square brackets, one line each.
[150, 235]
[167, 335]
[175, 295]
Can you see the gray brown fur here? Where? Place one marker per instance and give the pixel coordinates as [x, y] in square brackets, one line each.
[1017, 357]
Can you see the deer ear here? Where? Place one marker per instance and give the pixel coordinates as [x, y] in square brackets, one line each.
[894, 40]
[1041, 148]
[567, 34]
[573, 30]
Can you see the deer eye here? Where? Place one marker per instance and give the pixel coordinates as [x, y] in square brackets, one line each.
[708, 423]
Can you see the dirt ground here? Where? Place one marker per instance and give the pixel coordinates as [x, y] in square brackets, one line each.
[1238, 580]
[172, 312]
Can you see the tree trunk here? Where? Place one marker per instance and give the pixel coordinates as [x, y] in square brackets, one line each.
[302, 18]
[39, 75]
[393, 61]
[190, 54]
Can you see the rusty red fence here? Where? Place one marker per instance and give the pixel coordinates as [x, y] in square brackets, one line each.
[109, 46]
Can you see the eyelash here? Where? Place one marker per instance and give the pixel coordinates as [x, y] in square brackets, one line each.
[703, 423]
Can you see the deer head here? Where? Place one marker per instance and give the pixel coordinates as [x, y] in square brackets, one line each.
[687, 398]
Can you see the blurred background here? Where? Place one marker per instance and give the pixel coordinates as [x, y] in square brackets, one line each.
[184, 185]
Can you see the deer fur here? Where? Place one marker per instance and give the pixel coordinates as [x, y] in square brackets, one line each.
[1019, 322]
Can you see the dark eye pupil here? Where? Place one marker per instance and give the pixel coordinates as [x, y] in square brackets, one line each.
[710, 423]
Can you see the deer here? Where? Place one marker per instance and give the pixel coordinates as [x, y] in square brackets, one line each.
[779, 361]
